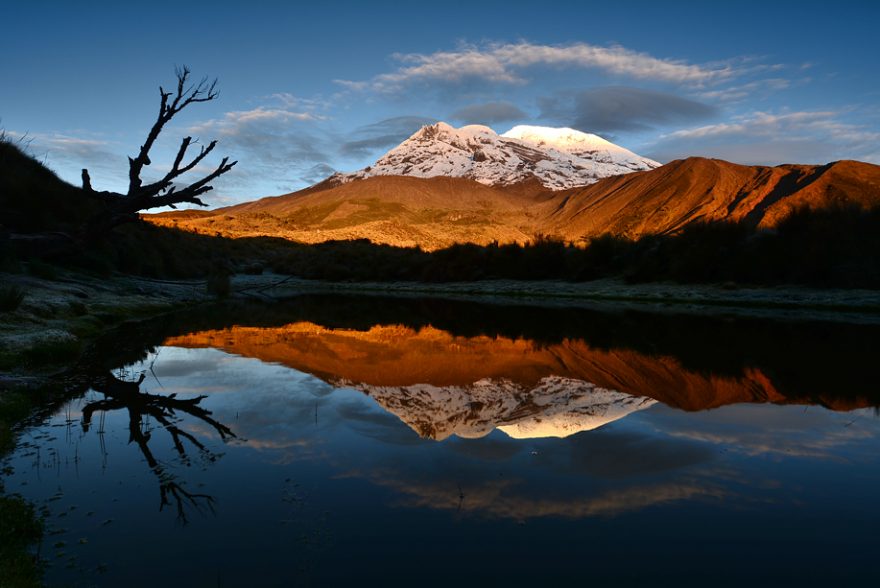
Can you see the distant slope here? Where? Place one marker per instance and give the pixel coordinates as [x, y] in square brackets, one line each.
[437, 212]
[682, 192]
[398, 210]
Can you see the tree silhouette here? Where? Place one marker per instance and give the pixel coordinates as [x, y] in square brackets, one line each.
[122, 394]
[122, 208]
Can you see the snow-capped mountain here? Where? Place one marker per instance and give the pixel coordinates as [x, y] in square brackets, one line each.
[555, 407]
[558, 158]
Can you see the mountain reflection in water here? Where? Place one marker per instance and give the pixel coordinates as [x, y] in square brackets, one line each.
[384, 432]
[442, 384]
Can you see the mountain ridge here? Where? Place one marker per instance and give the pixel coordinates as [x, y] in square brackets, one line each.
[699, 189]
[437, 212]
[558, 158]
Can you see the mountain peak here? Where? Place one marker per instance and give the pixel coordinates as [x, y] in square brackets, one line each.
[563, 138]
[558, 158]
[446, 133]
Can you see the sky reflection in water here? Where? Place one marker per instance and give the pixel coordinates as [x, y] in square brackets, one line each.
[324, 484]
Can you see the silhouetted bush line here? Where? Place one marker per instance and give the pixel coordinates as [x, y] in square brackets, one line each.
[33, 200]
[11, 298]
[840, 355]
[831, 248]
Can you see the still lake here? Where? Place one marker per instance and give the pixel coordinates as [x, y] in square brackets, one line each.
[328, 440]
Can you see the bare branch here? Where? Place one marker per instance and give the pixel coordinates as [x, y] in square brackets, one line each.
[184, 145]
[122, 208]
[202, 154]
[188, 194]
[175, 171]
[185, 95]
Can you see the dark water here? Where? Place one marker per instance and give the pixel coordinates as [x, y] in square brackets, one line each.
[410, 442]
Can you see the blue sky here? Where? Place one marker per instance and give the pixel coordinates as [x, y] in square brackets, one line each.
[310, 89]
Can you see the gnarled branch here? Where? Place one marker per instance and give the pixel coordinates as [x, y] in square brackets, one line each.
[123, 208]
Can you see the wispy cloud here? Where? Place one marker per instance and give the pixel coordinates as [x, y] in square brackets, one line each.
[315, 174]
[767, 137]
[488, 113]
[622, 108]
[68, 154]
[61, 146]
[379, 136]
[511, 499]
[280, 147]
[232, 122]
[288, 100]
[740, 92]
[782, 433]
[508, 64]
[766, 124]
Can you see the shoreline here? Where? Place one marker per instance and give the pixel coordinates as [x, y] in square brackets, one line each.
[791, 302]
[61, 314]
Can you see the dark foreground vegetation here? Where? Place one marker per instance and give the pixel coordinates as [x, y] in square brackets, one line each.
[41, 217]
[831, 248]
[47, 224]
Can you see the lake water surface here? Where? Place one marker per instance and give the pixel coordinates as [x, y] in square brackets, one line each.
[391, 442]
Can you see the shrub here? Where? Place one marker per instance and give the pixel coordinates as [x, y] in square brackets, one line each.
[219, 284]
[20, 529]
[41, 269]
[11, 298]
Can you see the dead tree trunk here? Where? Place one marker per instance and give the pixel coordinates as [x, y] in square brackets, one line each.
[123, 208]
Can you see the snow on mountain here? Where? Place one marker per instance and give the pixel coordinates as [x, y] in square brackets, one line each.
[558, 158]
[555, 407]
[584, 145]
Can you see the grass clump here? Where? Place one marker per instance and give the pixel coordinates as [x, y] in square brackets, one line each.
[41, 269]
[20, 528]
[11, 298]
[218, 283]
[53, 352]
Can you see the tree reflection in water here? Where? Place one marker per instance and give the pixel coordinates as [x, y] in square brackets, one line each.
[121, 394]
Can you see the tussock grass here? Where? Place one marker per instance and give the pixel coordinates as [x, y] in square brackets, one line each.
[11, 297]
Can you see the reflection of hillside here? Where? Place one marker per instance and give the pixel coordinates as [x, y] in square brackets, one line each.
[437, 382]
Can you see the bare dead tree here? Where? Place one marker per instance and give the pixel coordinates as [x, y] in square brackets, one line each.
[122, 208]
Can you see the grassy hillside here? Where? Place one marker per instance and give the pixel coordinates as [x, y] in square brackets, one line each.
[838, 247]
[835, 246]
[434, 213]
[33, 198]
[42, 220]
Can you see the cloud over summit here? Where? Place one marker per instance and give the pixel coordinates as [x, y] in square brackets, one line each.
[622, 108]
[508, 63]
